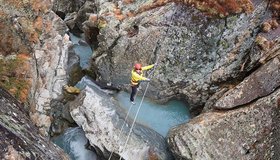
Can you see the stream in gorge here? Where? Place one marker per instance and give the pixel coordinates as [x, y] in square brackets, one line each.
[158, 117]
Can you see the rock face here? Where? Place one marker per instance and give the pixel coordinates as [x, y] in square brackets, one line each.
[198, 56]
[196, 53]
[247, 127]
[20, 139]
[262, 82]
[50, 73]
[30, 27]
[249, 132]
[102, 119]
[74, 12]
[201, 59]
[19, 28]
[64, 7]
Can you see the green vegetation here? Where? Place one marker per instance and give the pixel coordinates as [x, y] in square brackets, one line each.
[14, 78]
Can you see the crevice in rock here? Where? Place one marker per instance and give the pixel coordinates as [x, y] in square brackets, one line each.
[91, 35]
[187, 146]
[244, 105]
[60, 14]
[114, 44]
[61, 117]
[36, 79]
[76, 30]
[133, 31]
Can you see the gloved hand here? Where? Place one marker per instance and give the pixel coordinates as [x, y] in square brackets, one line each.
[155, 64]
[147, 80]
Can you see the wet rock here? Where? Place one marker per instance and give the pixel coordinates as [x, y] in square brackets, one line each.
[20, 139]
[102, 119]
[74, 69]
[61, 118]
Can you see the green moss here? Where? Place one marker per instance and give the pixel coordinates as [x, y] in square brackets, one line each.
[11, 78]
[101, 24]
[224, 44]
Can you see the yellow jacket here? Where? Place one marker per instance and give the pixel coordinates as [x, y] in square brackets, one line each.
[135, 77]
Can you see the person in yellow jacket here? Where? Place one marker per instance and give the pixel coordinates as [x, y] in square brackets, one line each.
[137, 77]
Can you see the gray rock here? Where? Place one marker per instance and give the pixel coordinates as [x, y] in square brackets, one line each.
[83, 13]
[196, 53]
[62, 8]
[260, 83]
[39, 32]
[244, 133]
[74, 70]
[101, 118]
[20, 139]
[75, 18]
[50, 69]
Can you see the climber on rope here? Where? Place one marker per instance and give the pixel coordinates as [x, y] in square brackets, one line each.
[137, 77]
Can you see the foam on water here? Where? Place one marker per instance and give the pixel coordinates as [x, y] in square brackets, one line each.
[73, 141]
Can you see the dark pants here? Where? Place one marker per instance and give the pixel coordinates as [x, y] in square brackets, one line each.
[133, 92]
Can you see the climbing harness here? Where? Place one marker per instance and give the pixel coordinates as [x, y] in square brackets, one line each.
[130, 131]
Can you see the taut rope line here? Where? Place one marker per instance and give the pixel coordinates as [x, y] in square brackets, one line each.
[111, 154]
[134, 120]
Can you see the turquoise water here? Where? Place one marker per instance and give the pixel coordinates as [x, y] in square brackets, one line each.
[74, 39]
[73, 141]
[83, 51]
[155, 116]
[158, 117]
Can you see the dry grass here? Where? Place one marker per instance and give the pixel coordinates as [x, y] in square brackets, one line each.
[220, 8]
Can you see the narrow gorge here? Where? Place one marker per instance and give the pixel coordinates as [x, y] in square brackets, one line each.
[66, 68]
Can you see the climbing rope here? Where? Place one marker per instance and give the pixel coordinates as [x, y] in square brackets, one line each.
[111, 154]
[139, 107]
[130, 131]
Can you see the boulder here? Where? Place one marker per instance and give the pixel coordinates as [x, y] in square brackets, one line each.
[196, 53]
[261, 83]
[102, 120]
[249, 132]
